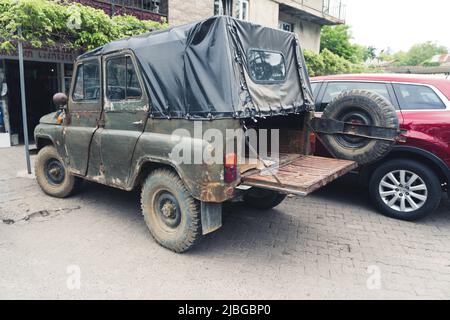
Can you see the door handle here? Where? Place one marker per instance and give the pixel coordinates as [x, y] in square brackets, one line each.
[138, 123]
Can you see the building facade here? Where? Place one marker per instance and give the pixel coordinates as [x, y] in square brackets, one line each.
[304, 17]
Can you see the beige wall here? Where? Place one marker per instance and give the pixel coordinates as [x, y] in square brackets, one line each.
[264, 12]
[308, 33]
[313, 4]
[185, 11]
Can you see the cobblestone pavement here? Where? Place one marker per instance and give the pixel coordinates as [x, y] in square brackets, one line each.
[331, 245]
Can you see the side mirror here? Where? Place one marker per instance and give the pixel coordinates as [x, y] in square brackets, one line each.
[60, 100]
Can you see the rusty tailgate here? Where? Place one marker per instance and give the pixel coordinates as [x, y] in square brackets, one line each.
[300, 176]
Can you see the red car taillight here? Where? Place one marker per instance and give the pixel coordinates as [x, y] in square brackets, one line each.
[230, 173]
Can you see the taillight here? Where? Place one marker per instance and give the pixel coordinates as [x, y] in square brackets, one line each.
[312, 139]
[230, 166]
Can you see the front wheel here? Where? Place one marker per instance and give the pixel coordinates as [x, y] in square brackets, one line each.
[405, 189]
[52, 175]
[170, 212]
[262, 199]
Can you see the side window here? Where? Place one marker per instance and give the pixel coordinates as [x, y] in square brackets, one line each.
[78, 92]
[121, 79]
[417, 97]
[87, 83]
[335, 88]
[315, 87]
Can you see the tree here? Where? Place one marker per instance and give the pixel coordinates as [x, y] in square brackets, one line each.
[419, 54]
[328, 63]
[46, 22]
[336, 39]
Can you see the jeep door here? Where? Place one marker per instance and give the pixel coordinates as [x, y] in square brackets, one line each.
[83, 112]
[125, 113]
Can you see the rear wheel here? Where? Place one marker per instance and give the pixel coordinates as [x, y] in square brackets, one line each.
[170, 212]
[52, 175]
[263, 199]
[359, 107]
[405, 189]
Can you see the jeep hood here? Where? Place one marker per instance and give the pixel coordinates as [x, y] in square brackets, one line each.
[50, 118]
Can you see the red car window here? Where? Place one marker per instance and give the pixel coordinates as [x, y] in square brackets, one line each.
[335, 88]
[417, 97]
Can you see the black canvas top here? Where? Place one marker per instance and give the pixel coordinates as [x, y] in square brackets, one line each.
[219, 67]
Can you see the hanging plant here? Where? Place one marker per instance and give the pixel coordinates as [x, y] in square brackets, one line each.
[49, 22]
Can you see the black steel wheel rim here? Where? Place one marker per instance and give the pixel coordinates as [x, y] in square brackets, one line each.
[358, 117]
[167, 209]
[54, 171]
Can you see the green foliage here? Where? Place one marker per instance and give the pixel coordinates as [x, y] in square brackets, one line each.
[328, 63]
[314, 62]
[45, 22]
[365, 53]
[337, 40]
[429, 63]
[419, 54]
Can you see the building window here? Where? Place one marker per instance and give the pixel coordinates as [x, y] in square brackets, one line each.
[148, 5]
[286, 26]
[152, 5]
[243, 8]
[223, 7]
[68, 71]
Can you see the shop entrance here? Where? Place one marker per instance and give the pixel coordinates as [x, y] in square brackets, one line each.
[41, 83]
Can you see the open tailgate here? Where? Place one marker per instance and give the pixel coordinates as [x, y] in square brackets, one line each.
[300, 175]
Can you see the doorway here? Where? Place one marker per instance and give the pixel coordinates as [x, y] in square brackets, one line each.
[41, 83]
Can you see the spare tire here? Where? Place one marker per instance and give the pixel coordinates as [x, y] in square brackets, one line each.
[362, 107]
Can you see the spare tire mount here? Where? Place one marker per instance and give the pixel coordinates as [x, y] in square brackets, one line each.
[358, 125]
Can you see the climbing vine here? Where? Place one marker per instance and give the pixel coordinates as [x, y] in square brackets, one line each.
[47, 22]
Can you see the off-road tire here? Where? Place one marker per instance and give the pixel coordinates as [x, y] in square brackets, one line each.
[188, 232]
[370, 106]
[265, 200]
[68, 186]
[429, 178]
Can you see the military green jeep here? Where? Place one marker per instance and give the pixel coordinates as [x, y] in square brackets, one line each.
[144, 111]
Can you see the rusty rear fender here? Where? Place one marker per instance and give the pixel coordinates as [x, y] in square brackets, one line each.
[205, 182]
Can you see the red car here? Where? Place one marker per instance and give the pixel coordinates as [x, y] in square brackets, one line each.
[409, 183]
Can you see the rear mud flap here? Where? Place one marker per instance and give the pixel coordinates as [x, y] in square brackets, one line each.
[211, 214]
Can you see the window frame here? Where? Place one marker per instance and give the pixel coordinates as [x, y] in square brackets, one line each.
[282, 23]
[439, 94]
[133, 62]
[319, 86]
[267, 81]
[226, 10]
[241, 10]
[77, 66]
